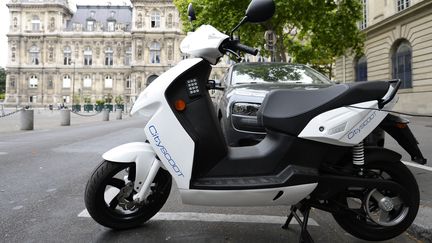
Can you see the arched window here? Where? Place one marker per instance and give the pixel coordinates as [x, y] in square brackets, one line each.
[169, 22]
[35, 23]
[402, 63]
[88, 56]
[66, 81]
[155, 19]
[34, 55]
[108, 82]
[109, 57]
[151, 79]
[67, 53]
[155, 51]
[33, 81]
[361, 69]
[87, 81]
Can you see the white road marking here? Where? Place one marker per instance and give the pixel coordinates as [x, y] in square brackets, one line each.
[3, 153]
[423, 167]
[213, 217]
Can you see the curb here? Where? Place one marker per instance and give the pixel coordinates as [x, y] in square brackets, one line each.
[422, 225]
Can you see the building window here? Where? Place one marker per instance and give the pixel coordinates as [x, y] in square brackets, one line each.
[155, 52]
[402, 4]
[402, 64]
[184, 56]
[67, 53]
[66, 82]
[34, 55]
[90, 25]
[88, 56]
[155, 19]
[35, 23]
[128, 56]
[87, 81]
[108, 82]
[111, 26]
[363, 22]
[151, 79]
[128, 82]
[33, 99]
[33, 81]
[361, 69]
[169, 21]
[109, 57]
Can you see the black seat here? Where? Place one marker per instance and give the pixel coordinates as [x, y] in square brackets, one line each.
[289, 111]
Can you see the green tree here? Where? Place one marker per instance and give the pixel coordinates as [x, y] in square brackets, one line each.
[2, 80]
[311, 31]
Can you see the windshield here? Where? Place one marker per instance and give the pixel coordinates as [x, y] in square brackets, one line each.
[282, 73]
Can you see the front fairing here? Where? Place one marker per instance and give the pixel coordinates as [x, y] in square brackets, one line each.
[204, 43]
[154, 95]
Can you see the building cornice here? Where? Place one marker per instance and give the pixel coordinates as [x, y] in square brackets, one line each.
[417, 11]
[38, 6]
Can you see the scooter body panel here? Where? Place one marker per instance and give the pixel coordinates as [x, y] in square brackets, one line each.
[259, 197]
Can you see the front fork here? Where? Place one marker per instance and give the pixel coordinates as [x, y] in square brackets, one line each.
[143, 185]
[146, 165]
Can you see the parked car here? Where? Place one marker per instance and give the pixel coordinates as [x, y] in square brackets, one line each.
[246, 85]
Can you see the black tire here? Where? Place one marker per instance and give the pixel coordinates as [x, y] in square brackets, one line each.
[114, 217]
[367, 229]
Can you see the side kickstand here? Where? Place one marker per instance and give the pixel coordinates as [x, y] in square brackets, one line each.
[305, 236]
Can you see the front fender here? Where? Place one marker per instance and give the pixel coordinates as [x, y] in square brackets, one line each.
[142, 154]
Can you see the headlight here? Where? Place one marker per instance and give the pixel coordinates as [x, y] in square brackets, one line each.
[245, 109]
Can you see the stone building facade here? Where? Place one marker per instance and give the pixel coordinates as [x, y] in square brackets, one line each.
[398, 46]
[56, 53]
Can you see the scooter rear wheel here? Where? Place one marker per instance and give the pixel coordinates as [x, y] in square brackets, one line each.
[389, 223]
[107, 182]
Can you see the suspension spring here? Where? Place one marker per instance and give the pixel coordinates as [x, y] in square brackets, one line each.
[358, 154]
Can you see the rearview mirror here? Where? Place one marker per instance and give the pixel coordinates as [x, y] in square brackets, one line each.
[191, 13]
[260, 11]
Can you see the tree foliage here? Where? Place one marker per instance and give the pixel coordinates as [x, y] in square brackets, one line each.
[310, 31]
[2, 80]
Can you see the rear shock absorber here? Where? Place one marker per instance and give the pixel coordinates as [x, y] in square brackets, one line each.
[359, 155]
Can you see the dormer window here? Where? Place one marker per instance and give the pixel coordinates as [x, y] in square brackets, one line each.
[155, 19]
[90, 25]
[111, 26]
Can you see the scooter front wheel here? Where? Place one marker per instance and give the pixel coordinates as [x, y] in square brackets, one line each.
[109, 196]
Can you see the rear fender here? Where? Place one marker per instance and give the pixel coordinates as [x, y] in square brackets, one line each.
[142, 154]
[398, 128]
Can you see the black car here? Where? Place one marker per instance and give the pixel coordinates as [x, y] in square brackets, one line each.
[246, 85]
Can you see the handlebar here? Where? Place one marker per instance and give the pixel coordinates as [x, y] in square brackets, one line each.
[235, 45]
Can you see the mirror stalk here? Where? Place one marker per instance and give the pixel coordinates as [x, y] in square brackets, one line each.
[244, 20]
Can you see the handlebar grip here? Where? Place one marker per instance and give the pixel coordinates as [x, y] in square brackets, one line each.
[247, 49]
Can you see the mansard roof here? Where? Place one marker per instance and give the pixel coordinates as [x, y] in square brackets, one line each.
[102, 14]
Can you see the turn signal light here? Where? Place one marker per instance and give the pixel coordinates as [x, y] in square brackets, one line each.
[180, 105]
[401, 125]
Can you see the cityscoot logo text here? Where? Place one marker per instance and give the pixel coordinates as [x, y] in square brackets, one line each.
[153, 131]
[358, 130]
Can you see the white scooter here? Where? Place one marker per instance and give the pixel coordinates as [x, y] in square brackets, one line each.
[313, 154]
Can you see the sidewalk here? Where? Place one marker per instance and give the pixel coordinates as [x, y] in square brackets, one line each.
[46, 119]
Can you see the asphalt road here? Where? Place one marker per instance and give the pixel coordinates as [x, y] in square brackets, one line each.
[42, 178]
